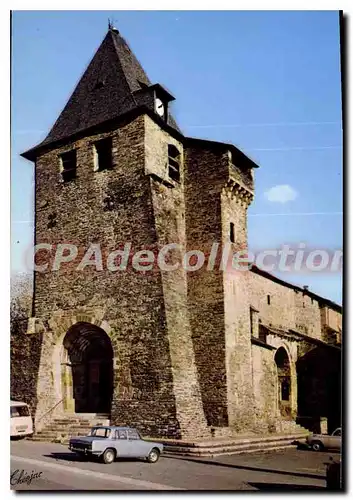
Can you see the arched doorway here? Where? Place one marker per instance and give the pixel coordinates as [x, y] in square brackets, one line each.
[284, 382]
[87, 369]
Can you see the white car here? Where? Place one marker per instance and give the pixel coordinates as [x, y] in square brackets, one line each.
[21, 420]
[319, 442]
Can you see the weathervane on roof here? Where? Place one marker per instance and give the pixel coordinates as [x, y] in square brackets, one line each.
[111, 25]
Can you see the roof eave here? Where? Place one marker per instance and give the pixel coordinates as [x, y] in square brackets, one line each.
[297, 288]
[163, 90]
[30, 154]
[223, 145]
[34, 152]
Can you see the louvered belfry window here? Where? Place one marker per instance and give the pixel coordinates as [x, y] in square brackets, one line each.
[68, 165]
[173, 163]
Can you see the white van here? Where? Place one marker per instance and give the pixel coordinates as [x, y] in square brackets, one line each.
[21, 420]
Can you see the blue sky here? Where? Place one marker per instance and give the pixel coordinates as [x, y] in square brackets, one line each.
[268, 82]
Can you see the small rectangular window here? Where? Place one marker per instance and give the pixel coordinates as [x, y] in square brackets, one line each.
[173, 163]
[68, 165]
[231, 233]
[103, 159]
[268, 299]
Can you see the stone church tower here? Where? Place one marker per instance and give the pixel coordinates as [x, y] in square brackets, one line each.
[167, 351]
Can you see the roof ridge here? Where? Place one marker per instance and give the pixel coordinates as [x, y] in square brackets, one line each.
[118, 58]
[115, 34]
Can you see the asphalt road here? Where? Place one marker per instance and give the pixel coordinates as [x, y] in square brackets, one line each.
[49, 466]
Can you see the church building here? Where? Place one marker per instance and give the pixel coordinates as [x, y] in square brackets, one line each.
[177, 353]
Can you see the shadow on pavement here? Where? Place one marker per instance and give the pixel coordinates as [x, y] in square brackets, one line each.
[302, 446]
[247, 467]
[285, 487]
[72, 457]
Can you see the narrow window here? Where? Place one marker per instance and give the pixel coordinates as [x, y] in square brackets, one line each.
[268, 299]
[285, 389]
[231, 233]
[251, 322]
[68, 165]
[103, 154]
[262, 333]
[173, 163]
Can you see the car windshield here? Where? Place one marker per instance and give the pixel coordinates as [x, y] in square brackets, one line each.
[19, 411]
[337, 432]
[103, 432]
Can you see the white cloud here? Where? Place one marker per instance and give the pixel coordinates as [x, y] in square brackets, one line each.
[281, 194]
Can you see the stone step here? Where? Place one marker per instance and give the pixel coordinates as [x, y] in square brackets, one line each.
[54, 436]
[49, 440]
[69, 421]
[40, 439]
[230, 446]
[236, 438]
[65, 429]
[71, 424]
[234, 451]
[47, 432]
[73, 419]
[197, 451]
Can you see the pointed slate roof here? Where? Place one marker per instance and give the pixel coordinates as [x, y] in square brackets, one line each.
[104, 92]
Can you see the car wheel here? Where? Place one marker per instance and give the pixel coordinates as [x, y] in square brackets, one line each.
[108, 456]
[153, 456]
[317, 446]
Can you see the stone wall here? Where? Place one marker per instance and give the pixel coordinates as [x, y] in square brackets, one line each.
[307, 315]
[217, 297]
[24, 361]
[282, 307]
[169, 217]
[264, 376]
[205, 175]
[237, 321]
[331, 324]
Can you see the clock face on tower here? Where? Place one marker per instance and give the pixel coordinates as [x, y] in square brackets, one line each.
[159, 106]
